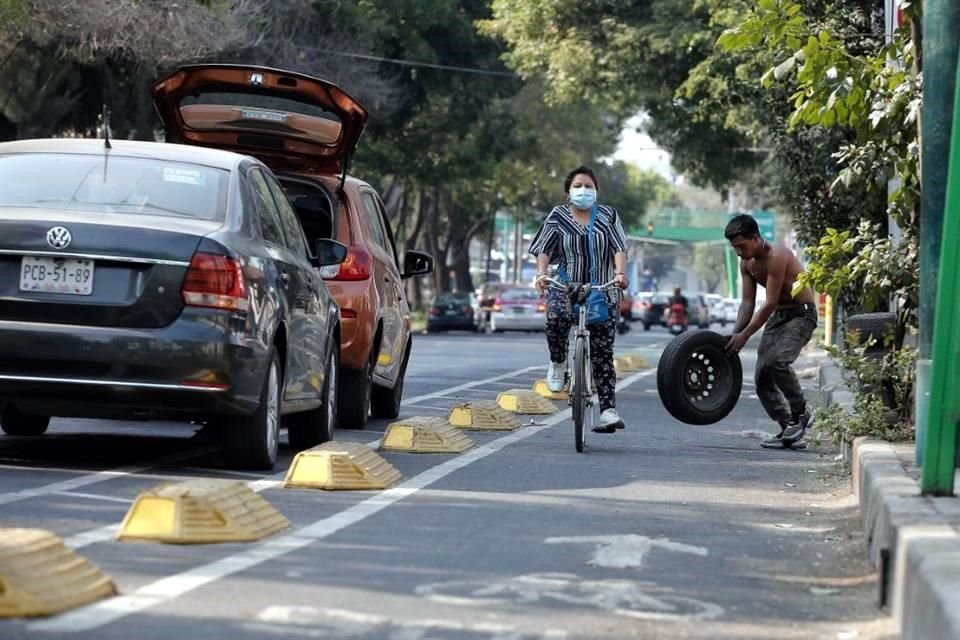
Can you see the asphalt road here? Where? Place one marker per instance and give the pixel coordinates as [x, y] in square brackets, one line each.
[660, 531]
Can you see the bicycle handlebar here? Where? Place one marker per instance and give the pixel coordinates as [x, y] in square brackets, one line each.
[559, 285]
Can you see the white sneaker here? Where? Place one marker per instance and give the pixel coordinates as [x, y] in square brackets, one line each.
[610, 418]
[555, 376]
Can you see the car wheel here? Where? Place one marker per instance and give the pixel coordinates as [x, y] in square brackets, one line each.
[317, 426]
[17, 423]
[385, 402]
[356, 387]
[646, 326]
[251, 442]
[698, 382]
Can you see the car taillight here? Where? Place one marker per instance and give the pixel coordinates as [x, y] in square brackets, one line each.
[467, 309]
[356, 266]
[496, 305]
[541, 307]
[434, 311]
[216, 282]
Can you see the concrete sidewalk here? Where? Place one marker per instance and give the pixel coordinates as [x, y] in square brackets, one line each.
[913, 540]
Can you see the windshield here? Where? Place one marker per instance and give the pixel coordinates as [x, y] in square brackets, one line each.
[519, 295]
[112, 184]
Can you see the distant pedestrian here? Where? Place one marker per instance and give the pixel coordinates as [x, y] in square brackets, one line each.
[788, 323]
[568, 236]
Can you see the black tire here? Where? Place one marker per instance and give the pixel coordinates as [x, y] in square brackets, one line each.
[310, 428]
[694, 364]
[646, 326]
[579, 397]
[878, 326]
[356, 389]
[17, 423]
[251, 442]
[384, 401]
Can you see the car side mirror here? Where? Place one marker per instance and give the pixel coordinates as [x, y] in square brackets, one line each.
[328, 252]
[417, 263]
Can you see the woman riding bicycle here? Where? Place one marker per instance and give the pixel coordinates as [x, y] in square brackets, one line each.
[566, 238]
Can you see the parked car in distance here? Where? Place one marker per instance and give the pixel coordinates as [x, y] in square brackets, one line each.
[698, 311]
[626, 305]
[306, 130]
[518, 308]
[453, 310]
[151, 280]
[653, 306]
[713, 301]
[486, 297]
[729, 309]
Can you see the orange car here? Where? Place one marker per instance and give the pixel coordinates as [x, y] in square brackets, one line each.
[305, 129]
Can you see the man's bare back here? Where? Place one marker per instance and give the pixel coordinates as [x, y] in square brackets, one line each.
[776, 256]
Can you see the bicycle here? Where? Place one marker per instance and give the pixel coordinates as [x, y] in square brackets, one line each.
[580, 395]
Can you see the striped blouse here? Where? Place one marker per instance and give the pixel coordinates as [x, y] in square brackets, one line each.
[566, 242]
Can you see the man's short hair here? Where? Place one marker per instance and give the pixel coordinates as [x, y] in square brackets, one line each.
[741, 225]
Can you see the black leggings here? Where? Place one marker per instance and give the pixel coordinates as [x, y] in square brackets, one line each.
[560, 319]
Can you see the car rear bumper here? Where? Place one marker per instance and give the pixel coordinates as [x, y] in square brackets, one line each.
[451, 322]
[203, 363]
[358, 320]
[519, 321]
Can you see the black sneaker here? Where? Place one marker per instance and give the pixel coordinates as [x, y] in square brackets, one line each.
[774, 442]
[794, 431]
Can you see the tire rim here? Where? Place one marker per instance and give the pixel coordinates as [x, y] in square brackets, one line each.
[273, 412]
[708, 378]
[332, 395]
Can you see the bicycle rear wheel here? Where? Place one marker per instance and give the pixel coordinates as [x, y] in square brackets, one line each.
[579, 392]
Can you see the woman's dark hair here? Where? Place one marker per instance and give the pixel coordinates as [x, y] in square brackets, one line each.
[741, 225]
[585, 170]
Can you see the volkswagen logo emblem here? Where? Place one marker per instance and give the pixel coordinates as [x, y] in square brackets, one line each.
[59, 237]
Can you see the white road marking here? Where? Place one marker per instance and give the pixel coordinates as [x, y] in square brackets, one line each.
[100, 476]
[622, 597]
[347, 622]
[171, 587]
[626, 551]
[91, 496]
[469, 385]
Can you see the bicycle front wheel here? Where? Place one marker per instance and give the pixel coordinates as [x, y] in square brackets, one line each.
[579, 392]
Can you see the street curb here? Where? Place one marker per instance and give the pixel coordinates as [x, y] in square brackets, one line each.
[912, 540]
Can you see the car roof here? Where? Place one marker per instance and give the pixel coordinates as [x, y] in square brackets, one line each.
[215, 158]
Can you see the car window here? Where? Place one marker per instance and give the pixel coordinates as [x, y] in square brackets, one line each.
[288, 217]
[114, 185]
[516, 295]
[373, 220]
[270, 225]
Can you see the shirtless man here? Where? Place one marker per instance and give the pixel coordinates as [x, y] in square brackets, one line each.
[788, 323]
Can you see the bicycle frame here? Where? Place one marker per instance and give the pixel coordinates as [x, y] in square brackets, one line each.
[577, 294]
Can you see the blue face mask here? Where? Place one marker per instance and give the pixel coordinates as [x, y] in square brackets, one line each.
[583, 197]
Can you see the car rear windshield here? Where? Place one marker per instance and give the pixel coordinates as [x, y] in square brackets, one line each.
[112, 184]
[518, 295]
[661, 299]
[456, 298]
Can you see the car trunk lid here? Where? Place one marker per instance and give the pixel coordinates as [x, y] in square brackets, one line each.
[290, 121]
